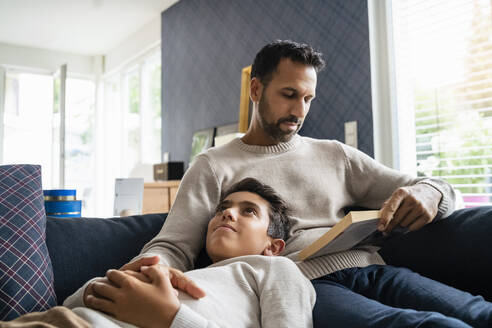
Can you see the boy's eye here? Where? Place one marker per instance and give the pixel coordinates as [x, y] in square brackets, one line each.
[250, 210]
[220, 208]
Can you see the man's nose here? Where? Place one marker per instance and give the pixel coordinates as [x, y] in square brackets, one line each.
[299, 109]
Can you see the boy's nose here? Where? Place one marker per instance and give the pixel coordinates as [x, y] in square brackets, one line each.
[229, 214]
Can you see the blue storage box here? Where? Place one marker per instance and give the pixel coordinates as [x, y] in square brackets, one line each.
[62, 203]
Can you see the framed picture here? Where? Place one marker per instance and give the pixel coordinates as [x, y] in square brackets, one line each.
[202, 140]
[245, 108]
[226, 133]
[128, 196]
[226, 129]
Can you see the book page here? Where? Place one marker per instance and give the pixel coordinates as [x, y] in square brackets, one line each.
[352, 236]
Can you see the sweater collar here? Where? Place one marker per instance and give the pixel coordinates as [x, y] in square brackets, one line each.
[274, 149]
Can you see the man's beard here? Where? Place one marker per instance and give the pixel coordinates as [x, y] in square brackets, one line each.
[273, 129]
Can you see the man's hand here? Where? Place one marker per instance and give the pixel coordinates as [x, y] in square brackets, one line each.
[90, 288]
[412, 207]
[143, 304]
[144, 261]
[178, 279]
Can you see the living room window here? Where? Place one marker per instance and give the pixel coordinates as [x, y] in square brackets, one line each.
[28, 121]
[31, 129]
[142, 108]
[133, 118]
[151, 109]
[80, 170]
[443, 76]
[112, 126]
[132, 121]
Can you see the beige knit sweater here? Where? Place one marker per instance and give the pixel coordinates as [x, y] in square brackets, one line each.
[246, 291]
[318, 178]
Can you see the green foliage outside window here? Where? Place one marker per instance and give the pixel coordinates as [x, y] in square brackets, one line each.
[134, 94]
[454, 121]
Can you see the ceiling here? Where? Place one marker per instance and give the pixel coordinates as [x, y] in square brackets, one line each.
[87, 27]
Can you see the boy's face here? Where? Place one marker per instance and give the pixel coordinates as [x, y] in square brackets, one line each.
[239, 227]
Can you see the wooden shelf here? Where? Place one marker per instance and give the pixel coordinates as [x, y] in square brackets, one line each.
[159, 196]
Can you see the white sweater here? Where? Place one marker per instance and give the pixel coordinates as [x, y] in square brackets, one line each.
[247, 291]
[318, 178]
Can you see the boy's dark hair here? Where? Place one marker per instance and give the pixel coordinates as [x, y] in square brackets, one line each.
[279, 212]
[267, 59]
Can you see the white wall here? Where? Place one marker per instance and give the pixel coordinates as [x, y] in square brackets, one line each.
[137, 44]
[42, 59]
[146, 38]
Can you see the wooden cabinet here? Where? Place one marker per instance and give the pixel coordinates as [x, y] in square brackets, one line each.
[159, 196]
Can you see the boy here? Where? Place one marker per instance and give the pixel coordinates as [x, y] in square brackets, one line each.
[244, 288]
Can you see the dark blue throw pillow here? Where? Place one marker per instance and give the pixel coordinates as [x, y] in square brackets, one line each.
[84, 248]
[26, 274]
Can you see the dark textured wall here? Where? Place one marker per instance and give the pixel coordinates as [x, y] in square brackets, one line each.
[206, 43]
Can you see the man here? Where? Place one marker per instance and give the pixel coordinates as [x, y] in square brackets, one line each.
[318, 178]
[255, 286]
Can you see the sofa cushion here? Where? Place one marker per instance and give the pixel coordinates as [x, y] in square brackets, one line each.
[26, 275]
[84, 248]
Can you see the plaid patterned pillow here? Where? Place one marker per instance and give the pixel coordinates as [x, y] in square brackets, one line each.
[26, 274]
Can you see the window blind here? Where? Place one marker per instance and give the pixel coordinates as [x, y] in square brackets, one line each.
[443, 61]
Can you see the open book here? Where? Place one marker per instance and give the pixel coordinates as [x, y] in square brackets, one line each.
[356, 228]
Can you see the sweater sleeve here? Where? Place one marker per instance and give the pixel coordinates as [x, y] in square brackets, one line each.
[187, 318]
[286, 297]
[371, 183]
[183, 233]
[77, 298]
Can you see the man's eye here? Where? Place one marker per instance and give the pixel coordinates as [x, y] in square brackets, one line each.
[288, 95]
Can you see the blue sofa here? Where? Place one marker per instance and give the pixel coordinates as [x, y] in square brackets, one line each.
[455, 251]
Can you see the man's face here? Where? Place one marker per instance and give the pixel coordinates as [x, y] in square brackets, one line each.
[239, 227]
[285, 101]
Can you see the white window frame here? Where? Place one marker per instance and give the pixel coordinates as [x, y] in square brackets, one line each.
[3, 74]
[390, 126]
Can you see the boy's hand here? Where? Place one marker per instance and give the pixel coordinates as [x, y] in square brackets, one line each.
[178, 279]
[90, 288]
[143, 304]
[134, 266]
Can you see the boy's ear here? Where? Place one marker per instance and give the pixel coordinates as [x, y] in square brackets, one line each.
[275, 248]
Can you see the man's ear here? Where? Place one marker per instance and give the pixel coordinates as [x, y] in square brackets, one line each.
[256, 88]
[275, 248]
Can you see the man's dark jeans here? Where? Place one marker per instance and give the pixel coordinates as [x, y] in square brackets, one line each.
[455, 251]
[385, 296]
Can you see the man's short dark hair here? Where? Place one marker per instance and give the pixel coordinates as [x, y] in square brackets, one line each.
[267, 59]
[279, 212]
